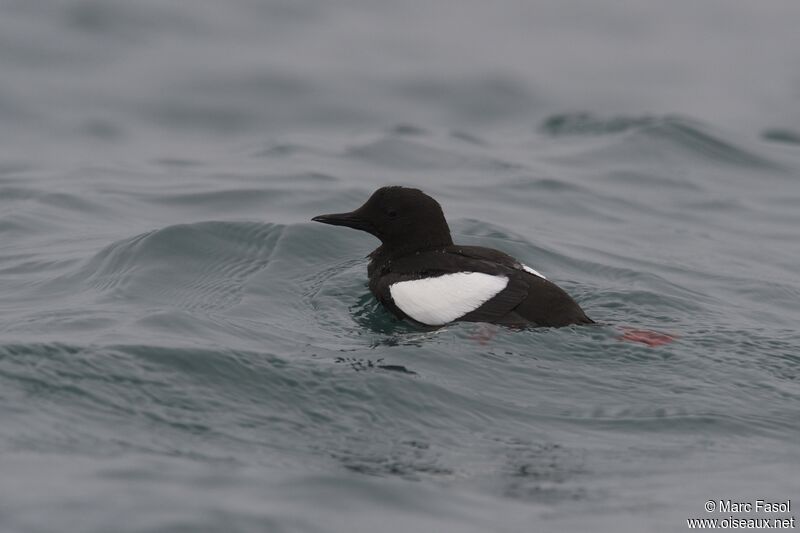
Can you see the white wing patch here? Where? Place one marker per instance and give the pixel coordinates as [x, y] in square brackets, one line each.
[439, 300]
[526, 268]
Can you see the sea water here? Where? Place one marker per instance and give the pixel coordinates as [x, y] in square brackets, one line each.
[181, 349]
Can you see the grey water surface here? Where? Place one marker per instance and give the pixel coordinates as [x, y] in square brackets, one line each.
[182, 350]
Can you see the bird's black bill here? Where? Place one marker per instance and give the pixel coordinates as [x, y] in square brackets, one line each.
[350, 220]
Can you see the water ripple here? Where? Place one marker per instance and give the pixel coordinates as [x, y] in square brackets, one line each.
[195, 266]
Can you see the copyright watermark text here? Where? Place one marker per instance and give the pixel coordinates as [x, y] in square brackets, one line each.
[742, 515]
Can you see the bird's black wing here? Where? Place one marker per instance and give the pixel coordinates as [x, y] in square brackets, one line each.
[449, 260]
[538, 300]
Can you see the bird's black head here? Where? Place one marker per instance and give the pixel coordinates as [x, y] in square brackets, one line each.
[404, 219]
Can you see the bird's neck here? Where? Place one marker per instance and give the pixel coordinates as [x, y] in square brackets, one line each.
[390, 251]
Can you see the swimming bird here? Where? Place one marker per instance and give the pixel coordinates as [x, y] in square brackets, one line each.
[419, 274]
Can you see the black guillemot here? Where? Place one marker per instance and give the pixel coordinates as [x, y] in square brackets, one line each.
[418, 273]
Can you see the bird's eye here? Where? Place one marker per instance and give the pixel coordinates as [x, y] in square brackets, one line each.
[391, 213]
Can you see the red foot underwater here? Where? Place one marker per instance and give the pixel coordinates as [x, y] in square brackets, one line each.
[484, 334]
[650, 338]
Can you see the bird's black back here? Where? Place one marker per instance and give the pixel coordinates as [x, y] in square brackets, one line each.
[526, 300]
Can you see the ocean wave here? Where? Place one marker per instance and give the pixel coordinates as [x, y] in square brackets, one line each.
[195, 266]
[668, 133]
